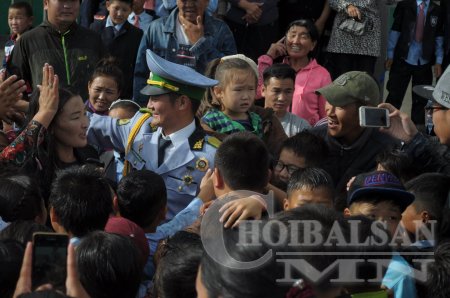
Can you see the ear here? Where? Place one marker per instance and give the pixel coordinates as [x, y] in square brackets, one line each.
[45, 4]
[54, 220]
[347, 212]
[116, 208]
[218, 179]
[263, 90]
[183, 102]
[108, 3]
[425, 216]
[218, 92]
[313, 46]
[89, 84]
[286, 204]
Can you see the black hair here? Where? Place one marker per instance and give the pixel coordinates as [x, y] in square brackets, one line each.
[43, 294]
[43, 160]
[243, 161]
[279, 71]
[22, 231]
[399, 163]
[11, 254]
[177, 269]
[431, 192]
[23, 5]
[221, 278]
[109, 67]
[20, 198]
[141, 196]
[109, 265]
[309, 146]
[439, 272]
[310, 178]
[309, 25]
[130, 2]
[82, 199]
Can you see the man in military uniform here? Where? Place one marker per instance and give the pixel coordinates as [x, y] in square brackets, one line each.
[167, 138]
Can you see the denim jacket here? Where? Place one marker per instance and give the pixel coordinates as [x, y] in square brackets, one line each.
[160, 37]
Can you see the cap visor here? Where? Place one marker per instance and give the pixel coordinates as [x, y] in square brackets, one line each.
[424, 91]
[335, 95]
[400, 197]
[153, 91]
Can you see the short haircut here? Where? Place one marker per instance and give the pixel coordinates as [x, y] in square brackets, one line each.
[177, 269]
[82, 199]
[431, 192]
[243, 161]
[141, 196]
[278, 71]
[22, 231]
[109, 265]
[310, 178]
[125, 104]
[309, 146]
[109, 67]
[309, 25]
[439, 272]
[130, 2]
[20, 198]
[23, 5]
[398, 163]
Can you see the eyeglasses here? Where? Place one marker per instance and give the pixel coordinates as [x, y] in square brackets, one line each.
[279, 166]
[432, 109]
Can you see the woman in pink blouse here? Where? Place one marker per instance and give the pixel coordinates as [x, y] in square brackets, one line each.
[296, 48]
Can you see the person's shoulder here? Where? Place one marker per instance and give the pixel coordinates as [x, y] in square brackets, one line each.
[33, 33]
[320, 130]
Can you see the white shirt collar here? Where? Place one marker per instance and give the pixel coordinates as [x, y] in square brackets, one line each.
[109, 23]
[182, 134]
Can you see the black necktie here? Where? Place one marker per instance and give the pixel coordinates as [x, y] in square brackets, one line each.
[162, 146]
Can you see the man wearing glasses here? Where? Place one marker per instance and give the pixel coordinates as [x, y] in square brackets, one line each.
[433, 155]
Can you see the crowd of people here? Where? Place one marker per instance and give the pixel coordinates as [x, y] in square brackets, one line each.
[197, 148]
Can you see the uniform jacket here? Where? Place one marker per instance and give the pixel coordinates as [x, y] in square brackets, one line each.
[124, 47]
[405, 16]
[73, 55]
[160, 37]
[182, 169]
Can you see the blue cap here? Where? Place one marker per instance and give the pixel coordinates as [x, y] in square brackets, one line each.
[166, 77]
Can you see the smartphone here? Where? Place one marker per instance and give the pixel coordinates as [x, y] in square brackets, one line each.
[49, 259]
[373, 117]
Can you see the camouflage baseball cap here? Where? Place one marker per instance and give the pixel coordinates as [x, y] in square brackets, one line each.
[352, 86]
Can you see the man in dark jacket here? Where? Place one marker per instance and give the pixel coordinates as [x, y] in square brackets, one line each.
[72, 50]
[352, 148]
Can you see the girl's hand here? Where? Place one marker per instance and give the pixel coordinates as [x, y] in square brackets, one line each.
[277, 49]
[49, 96]
[11, 91]
[236, 211]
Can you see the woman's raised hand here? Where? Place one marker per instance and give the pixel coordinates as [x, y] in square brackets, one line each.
[49, 96]
[277, 49]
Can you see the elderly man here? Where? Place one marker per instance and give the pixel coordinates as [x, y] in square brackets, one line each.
[188, 36]
[72, 50]
[167, 139]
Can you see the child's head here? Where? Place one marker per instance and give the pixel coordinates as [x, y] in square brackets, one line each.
[21, 199]
[398, 163]
[431, 192]
[236, 91]
[109, 265]
[299, 151]
[22, 231]
[278, 87]
[309, 186]
[105, 84]
[119, 10]
[439, 272]
[123, 109]
[138, 6]
[80, 201]
[20, 17]
[380, 196]
[142, 198]
[241, 163]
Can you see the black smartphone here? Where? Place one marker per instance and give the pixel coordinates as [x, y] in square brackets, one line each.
[49, 259]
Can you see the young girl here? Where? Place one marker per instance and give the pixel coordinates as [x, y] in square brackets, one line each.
[230, 101]
[104, 86]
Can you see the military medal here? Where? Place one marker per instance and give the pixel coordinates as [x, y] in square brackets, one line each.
[187, 178]
[201, 164]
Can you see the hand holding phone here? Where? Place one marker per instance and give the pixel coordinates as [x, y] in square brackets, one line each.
[373, 117]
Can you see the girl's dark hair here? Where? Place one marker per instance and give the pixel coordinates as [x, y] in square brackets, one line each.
[43, 159]
[308, 24]
[22, 231]
[108, 67]
[20, 198]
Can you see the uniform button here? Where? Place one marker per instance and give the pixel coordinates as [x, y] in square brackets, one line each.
[134, 162]
[174, 50]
